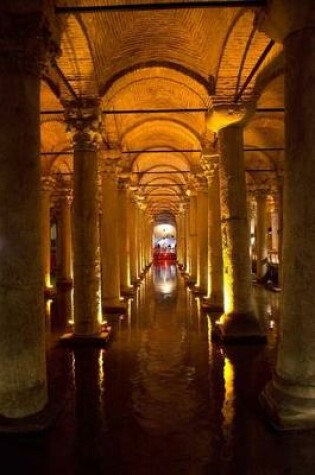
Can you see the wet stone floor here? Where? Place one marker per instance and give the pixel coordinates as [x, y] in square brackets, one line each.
[162, 398]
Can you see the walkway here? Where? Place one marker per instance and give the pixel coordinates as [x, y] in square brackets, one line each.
[163, 399]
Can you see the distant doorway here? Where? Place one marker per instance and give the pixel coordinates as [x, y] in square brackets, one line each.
[164, 242]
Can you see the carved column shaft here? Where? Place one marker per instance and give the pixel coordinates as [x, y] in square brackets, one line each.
[261, 246]
[46, 188]
[22, 347]
[133, 236]
[110, 239]
[214, 299]
[239, 321]
[202, 238]
[124, 241]
[290, 397]
[84, 123]
[64, 240]
[193, 238]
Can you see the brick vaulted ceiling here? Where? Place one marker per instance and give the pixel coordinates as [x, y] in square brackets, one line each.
[178, 59]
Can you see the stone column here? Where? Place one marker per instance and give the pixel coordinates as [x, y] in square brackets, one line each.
[202, 237]
[22, 328]
[45, 192]
[64, 240]
[149, 241]
[110, 239]
[187, 237]
[124, 238]
[214, 299]
[239, 321]
[280, 228]
[261, 246]
[133, 237]
[274, 225]
[193, 238]
[251, 215]
[84, 121]
[180, 239]
[290, 397]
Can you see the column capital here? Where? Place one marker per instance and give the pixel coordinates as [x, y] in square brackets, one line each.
[47, 183]
[123, 183]
[110, 170]
[221, 116]
[201, 184]
[84, 123]
[66, 195]
[29, 37]
[209, 163]
[280, 18]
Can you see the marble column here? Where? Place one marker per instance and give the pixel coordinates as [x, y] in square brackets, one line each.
[180, 239]
[274, 212]
[124, 241]
[86, 238]
[133, 237]
[64, 240]
[214, 299]
[202, 237]
[149, 241]
[239, 321]
[290, 397]
[261, 234]
[251, 215]
[23, 389]
[45, 192]
[280, 228]
[110, 240]
[193, 238]
[186, 237]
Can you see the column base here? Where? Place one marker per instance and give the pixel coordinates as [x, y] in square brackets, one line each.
[136, 282]
[128, 292]
[72, 340]
[64, 284]
[49, 292]
[114, 306]
[287, 406]
[198, 290]
[190, 281]
[39, 422]
[239, 328]
[208, 305]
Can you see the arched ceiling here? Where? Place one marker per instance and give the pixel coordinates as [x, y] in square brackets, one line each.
[143, 61]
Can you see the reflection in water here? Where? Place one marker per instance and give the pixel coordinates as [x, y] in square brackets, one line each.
[165, 398]
[228, 406]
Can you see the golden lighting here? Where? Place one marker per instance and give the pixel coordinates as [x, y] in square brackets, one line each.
[228, 405]
[167, 287]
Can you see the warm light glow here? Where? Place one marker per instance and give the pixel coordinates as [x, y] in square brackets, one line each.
[228, 405]
[228, 282]
[47, 281]
[167, 287]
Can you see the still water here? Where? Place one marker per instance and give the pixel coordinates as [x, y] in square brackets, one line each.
[162, 398]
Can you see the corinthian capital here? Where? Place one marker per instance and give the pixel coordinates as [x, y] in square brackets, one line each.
[84, 122]
[209, 163]
[29, 37]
